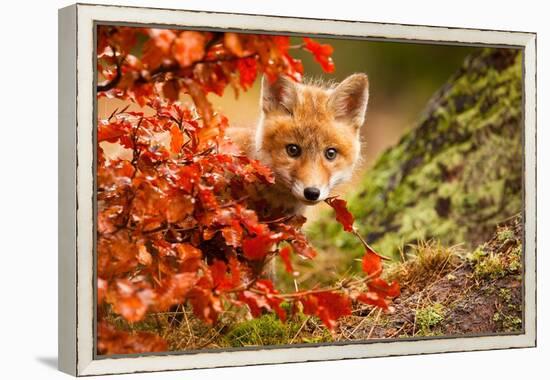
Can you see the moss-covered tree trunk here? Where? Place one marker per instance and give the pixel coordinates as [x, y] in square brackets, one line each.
[453, 177]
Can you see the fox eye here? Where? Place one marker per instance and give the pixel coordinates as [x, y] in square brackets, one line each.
[331, 153]
[293, 150]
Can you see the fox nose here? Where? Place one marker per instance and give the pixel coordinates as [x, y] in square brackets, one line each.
[312, 193]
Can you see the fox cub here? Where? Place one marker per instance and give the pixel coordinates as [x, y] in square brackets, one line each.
[309, 135]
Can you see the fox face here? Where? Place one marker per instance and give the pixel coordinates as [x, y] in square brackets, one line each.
[309, 134]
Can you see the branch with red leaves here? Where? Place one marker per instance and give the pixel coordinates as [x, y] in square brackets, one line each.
[213, 60]
[176, 222]
[328, 304]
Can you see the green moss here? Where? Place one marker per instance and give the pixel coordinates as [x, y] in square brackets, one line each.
[509, 323]
[477, 255]
[505, 294]
[514, 264]
[505, 235]
[487, 264]
[321, 338]
[453, 177]
[512, 323]
[492, 261]
[429, 317]
[266, 330]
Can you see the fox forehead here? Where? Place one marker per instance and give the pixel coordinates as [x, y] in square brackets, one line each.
[311, 125]
[312, 105]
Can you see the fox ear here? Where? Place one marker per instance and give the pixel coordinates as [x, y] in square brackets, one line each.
[280, 95]
[349, 99]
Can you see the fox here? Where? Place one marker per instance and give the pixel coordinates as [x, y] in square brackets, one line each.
[308, 134]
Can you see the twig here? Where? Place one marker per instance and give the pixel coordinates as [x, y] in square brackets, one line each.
[364, 242]
[174, 67]
[398, 331]
[374, 323]
[416, 312]
[362, 321]
[216, 334]
[191, 335]
[299, 330]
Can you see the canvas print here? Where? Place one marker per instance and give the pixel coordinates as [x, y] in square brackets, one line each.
[265, 190]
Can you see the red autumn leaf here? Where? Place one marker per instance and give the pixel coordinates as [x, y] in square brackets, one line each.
[113, 131]
[143, 256]
[256, 302]
[130, 300]
[207, 198]
[171, 90]
[372, 263]
[249, 220]
[222, 280]
[290, 232]
[176, 139]
[173, 290]
[302, 247]
[328, 306]
[235, 279]
[233, 234]
[271, 297]
[188, 47]
[285, 256]
[112, 341]
[186, 177]
[282, 43]
[217, 270]
[262, 171]
[384, 289]
[248, 70]
[374, 299]
[258, 247]
[206, 305]
[189, 257]
[321, 52]
[294, 67]
[342, 214]
[157, 48]
[227, 147]
[180, 207]
[233, 43]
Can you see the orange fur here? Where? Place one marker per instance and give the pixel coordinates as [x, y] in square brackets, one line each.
[315, 118]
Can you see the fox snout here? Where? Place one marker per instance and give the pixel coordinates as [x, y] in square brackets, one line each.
[309, 194]
[312, 193]
[307, 177]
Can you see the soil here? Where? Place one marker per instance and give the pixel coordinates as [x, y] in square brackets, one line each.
[461, 299]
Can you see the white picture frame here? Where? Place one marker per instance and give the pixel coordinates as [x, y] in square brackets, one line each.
[77, 171]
